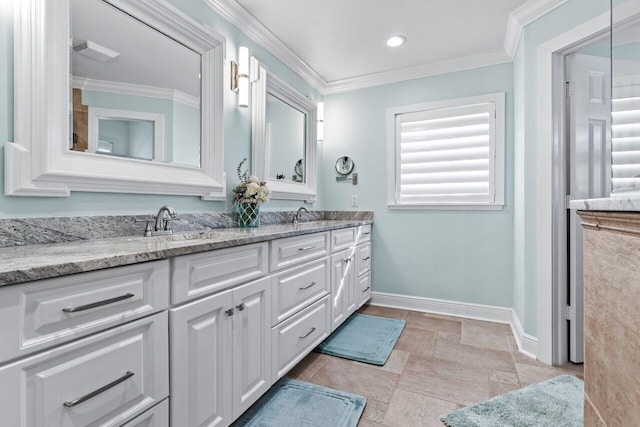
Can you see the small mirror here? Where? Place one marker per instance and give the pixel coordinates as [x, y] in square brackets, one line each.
[344, 165]
[285, 133]
[283, 136]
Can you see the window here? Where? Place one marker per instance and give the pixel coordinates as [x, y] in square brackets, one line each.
[447, 154]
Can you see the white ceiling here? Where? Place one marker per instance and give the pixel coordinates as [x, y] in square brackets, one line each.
[345, 39]
[339, 45]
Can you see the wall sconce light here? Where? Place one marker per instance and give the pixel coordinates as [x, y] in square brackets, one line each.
[320, 128]
[240, 77]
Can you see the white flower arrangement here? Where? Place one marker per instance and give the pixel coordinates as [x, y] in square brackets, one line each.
[250, 189]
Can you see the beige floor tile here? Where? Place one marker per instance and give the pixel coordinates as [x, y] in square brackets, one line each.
[472, 326]
[308, 366]
[445, 379]
[498, 388]
[486, 340]
[395, 363]
[366, 423]
[504, 377]
[377, 310]
[417, 341]
[433, 323]
[476, 357]
[530, 374]
[408, 409]
[345, 375]
[374, 411]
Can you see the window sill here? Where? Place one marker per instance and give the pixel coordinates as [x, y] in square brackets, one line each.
[445, 207]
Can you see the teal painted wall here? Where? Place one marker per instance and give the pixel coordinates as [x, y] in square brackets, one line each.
[237, 132]
[562, 19]
[454, 255]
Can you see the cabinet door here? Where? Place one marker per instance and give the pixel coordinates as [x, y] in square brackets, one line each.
[342, 287]
[201, 362]
[252, 343]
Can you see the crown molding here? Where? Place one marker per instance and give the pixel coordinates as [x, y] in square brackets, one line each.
[492, 57]
[233, 12]
[523, 16]
[135, 90]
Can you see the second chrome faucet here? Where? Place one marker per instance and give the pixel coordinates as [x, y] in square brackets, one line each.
[296, 217]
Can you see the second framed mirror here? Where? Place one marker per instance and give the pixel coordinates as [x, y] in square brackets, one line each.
[283, 136]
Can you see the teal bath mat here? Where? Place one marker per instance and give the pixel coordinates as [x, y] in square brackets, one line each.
[553, 403]
[364, 338]
[296, 403]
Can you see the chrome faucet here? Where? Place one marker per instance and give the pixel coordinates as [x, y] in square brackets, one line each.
[161, 227]
[162, 224]
[296, 217]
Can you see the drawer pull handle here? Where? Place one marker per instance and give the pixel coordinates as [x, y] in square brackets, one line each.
[366, 259]
[347, 260]
[240, 307]
[229, 312]
[306, 248]
[366, 233]
[72, 403]
[97, 304]
[308, 333]
[307, 287]
[366, 289]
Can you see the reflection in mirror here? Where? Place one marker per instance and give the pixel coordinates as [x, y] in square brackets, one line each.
[136, 91]
[285, 134]
[625, 55]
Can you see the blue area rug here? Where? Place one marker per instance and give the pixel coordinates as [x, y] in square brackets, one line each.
[364, 338]
[554, 403]
[291, 403]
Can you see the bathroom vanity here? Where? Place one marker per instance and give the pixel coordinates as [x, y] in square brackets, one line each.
[611, 317]
[184, 330]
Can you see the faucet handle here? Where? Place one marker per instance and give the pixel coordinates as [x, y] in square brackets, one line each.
[166, 222]
[147, 230]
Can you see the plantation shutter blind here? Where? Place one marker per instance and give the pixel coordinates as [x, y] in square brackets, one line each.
[625, 145]
[447, 156]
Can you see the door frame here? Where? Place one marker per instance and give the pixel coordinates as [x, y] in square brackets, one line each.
[551, 186]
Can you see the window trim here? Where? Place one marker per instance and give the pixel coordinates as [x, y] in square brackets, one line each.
[498, 164]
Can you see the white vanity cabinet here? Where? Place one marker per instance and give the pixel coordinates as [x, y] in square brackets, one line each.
[105, 379]
[350, 272]
[187, 342]
[220, 355]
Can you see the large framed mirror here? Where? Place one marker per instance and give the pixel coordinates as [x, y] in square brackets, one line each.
[283, 136]
[115, 96]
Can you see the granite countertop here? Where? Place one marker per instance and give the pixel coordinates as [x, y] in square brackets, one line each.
[620, 204]
[42, 261]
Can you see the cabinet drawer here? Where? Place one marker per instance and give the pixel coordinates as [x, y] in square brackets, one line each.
[295, 289]
[343, 238]
[158, 416]
[363, 288]
[363, 259]
[364, 234]
[208, 272]
[294, 338]
[41, 314]
[105, 379]
[292, 251]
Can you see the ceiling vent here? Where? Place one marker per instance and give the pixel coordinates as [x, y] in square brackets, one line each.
[94, 51]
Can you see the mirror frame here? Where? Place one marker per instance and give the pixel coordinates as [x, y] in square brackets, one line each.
[264, 82]
[39, 163]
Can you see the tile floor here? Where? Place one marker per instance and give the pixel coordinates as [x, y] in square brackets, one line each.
[439, 364]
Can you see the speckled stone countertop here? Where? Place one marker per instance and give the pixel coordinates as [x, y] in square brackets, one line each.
[620, 204]
[19, 264]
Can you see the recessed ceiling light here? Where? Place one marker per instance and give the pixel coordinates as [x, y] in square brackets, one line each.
[396, 41]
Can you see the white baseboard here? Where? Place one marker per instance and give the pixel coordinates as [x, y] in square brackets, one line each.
[527, 344]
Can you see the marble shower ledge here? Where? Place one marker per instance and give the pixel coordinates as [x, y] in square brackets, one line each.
[620, 204]
[21, 264]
